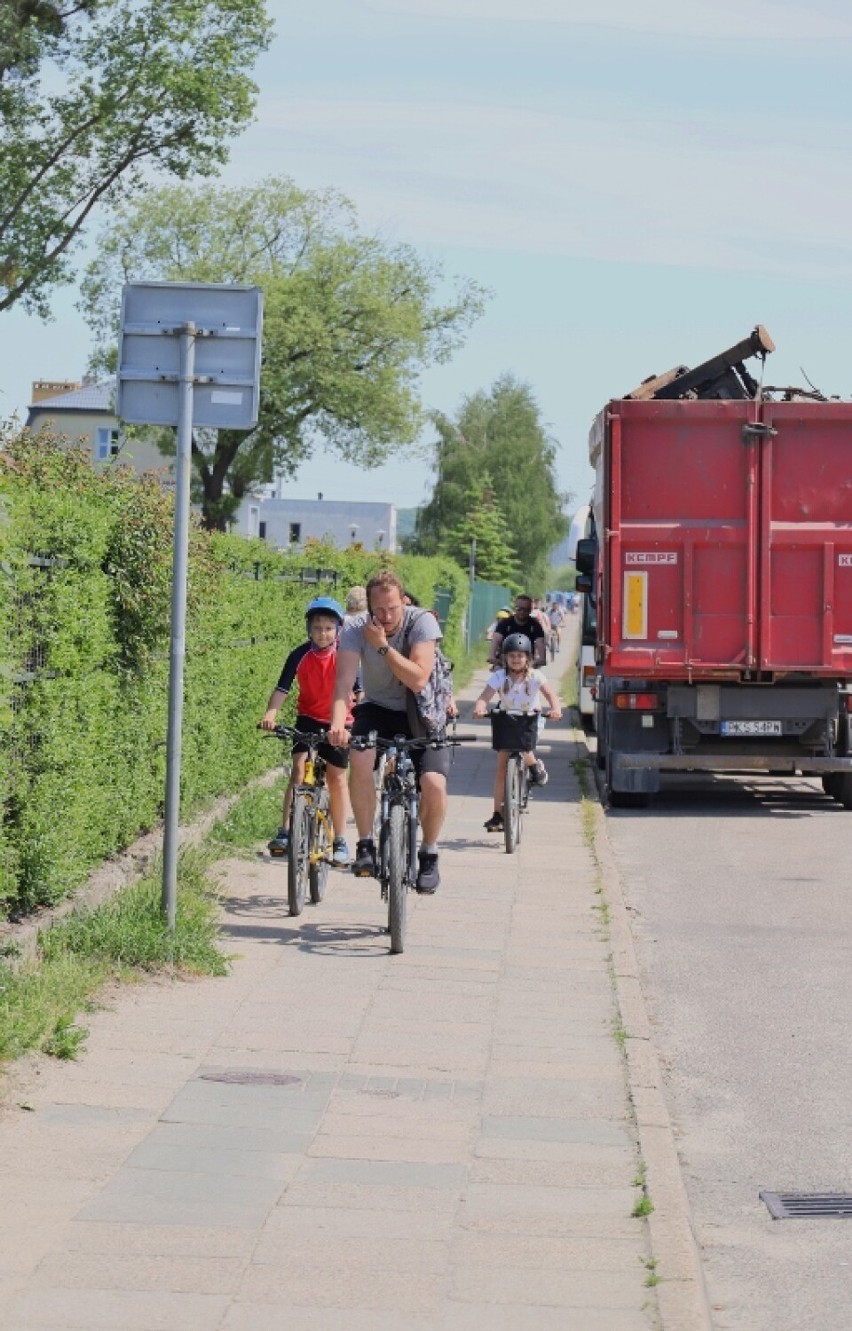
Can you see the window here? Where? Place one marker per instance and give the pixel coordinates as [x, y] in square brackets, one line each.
[295, 533]
[107, 444]
[261, 530]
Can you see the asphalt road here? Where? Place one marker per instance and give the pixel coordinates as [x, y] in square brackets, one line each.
[740, 897]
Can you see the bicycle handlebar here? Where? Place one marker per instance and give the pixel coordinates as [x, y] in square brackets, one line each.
[375, 741]
[290, 732]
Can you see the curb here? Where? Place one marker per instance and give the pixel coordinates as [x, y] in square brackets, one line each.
[681, 1292]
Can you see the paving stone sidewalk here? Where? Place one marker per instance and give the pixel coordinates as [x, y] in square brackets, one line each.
[440, 1141]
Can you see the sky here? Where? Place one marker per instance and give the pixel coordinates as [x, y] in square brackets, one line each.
[637, 184]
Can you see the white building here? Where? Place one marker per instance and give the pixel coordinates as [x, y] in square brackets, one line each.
[285, 523]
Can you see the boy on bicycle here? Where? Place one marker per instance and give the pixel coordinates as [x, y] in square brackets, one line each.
[519, 686]
[313, 667]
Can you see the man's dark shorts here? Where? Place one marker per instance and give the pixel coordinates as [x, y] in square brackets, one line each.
[335, 757]
[388, 724]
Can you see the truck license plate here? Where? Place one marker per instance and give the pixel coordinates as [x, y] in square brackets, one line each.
[751, 728]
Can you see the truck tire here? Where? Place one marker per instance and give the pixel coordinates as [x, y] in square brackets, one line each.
[829, 783]
[843, 789]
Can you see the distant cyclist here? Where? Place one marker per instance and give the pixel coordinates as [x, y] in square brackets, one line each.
[312, 666]
[518, 689]
[557, 619]
[504, 613]
[520, 621]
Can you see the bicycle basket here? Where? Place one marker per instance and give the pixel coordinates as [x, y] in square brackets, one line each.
[514, 732]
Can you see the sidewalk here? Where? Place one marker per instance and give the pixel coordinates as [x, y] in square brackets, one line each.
[332, 1136]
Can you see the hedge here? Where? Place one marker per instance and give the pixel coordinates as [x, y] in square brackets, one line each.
[84, 647]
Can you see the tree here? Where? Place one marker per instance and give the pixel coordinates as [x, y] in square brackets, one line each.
[500, 435]
[483, 523]
[94, 95]
[349, 321]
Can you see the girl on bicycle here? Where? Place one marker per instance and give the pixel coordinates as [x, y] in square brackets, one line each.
[519, 688]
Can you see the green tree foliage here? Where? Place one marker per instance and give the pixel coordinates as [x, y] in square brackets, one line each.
[349, 321]
[483, 523]
[94, 94]
[498, 435]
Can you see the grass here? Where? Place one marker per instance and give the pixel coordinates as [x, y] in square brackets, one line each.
[568, 686]
[466, 667]
[254, 817]
[644, 1206]
[125, 939]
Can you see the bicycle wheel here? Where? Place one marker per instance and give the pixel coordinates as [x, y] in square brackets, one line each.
[413, 824]
[512, 802]
[298, 865]
[321, 848]
[397, 887]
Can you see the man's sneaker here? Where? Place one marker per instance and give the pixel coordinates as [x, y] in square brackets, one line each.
[279, 846]
[364, 863]
[495, 822]
[340, 852]
[428, 877]
[538, 774]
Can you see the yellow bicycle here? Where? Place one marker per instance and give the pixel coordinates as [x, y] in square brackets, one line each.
[311, 830]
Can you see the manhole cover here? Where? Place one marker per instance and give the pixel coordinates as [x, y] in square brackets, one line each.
[240, 1077]
[385, 1095]
[808, 1205]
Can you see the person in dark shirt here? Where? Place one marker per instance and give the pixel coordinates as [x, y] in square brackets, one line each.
[312, 666]
[520, 621]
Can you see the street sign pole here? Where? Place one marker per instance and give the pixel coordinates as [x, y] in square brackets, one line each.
[188, 356]
[177, 655]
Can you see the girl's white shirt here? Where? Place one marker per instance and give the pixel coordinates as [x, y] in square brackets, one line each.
[517, 696]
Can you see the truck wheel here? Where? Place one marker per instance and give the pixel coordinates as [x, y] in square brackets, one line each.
[843, 789]
[829, 783]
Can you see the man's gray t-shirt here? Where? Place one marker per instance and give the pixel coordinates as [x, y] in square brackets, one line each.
[378, 681]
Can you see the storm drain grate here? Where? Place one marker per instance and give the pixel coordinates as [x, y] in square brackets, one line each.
[241, 1077]
[808, 1205]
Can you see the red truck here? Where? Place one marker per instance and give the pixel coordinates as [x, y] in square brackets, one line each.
[721, 568]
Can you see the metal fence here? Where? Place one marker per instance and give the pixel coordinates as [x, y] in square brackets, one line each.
[485, 600]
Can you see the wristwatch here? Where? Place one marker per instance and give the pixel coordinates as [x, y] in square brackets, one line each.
[383, 651]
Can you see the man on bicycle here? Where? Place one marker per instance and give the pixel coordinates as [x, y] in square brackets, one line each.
[521, 621]
[394, 645]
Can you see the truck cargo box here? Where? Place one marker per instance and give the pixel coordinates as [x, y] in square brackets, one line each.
[725, 532]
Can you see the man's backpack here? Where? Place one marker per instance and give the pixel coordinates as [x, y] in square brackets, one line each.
[427, 710]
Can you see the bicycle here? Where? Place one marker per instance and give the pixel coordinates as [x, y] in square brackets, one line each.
[553, 644]
[311, 830]
[396, 821]
[518, 734]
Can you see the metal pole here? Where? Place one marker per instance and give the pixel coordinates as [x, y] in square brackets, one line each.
[471, 574]
[178, 628]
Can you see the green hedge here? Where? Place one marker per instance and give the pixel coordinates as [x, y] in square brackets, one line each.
[84, 643]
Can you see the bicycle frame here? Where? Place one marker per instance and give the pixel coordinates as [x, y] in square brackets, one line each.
[311, 854]
[399, 786]
[396, 823]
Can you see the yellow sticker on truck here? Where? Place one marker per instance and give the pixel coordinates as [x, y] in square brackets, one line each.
[635, 605]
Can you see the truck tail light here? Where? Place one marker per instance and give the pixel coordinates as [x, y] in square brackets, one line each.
[637, 702]
[849, 702]
[588, 674]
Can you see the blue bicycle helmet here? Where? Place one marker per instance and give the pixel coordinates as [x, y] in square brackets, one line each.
[324, 605]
